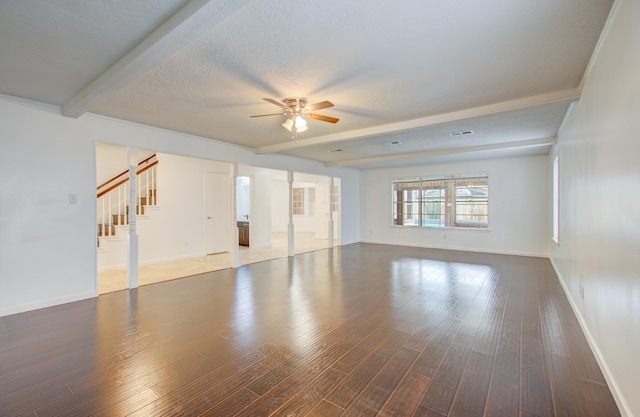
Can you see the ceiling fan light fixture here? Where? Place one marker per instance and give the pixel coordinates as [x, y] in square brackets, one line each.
[300, 123]
[288, 124]
[297, 122]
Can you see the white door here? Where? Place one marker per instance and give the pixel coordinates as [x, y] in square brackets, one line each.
[217, 212]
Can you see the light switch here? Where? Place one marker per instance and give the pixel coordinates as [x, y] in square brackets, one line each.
[73, 198]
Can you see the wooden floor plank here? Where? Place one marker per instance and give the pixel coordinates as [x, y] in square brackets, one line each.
[373, 397]
[567, 393]
[200, 400]
[598, 399]
[325, 409]
[507, 363]
[444, 384]
[362, 329]
[233, 404]
[471, 397]
[423, 411]
[345, 392]
[489, 332]
[432, 355]
[305, 400]
[503, 399]
[535, 386]
[406, 397]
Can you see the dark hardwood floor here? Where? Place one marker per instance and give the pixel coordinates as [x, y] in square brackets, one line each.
[357, 331]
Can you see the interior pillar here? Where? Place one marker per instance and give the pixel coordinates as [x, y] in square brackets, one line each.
[330, 212]
[291, 231]
[234, 250]
[132, 236]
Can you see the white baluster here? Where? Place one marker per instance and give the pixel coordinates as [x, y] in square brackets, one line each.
[119, 205]
[147, 190]
[153, 184]
[103, 234]
[126, 203]
[109, 216]
[139, 194]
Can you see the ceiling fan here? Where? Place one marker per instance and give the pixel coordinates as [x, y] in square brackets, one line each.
[297, 110]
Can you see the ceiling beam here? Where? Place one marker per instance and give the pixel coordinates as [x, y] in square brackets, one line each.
[425, 154]
[562, 96]
[186, 25]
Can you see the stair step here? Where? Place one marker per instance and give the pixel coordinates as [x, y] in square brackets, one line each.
[121, 221]
[109, 228]
[139, 210]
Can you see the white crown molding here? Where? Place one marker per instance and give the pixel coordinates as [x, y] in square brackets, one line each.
[492, 147]
[562, 96]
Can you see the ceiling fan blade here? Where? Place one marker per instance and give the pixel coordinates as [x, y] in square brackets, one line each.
[272, 114]
[318, 106]
[323, 118]
[277, 103]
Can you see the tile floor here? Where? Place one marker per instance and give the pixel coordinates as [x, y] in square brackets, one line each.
[116, 279]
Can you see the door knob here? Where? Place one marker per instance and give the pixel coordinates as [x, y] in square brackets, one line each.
[209, 217]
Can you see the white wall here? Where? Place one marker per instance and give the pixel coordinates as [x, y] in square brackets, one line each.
[599, 156]
[112, 160]
[260, 227]
[176, 228]
[47, 246]
[518, 208]
[317, 222]
[44, 157]
[279, 205]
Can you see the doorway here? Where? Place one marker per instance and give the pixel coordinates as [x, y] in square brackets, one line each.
[217, 213]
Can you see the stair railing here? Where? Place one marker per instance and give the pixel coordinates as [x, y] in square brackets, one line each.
[113, 196]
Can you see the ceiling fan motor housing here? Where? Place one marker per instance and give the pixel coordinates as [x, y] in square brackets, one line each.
[295, 104]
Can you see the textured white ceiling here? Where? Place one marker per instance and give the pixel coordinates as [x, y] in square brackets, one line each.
[379, 62]
[49, 50]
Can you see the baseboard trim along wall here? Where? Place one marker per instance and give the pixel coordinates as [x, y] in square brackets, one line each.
[622, 404]
[47, 303]
[464, 249]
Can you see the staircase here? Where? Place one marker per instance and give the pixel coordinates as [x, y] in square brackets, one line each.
[113, 200]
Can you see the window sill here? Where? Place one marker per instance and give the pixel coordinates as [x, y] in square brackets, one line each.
[475, 229]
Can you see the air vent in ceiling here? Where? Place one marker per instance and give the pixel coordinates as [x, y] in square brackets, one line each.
[462, 133]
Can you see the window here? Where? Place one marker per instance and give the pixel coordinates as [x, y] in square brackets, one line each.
[334, 198]
[456, 201]
[556, 200]
[298, 201]
[304, 201]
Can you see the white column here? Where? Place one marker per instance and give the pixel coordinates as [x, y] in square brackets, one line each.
[234, 251]
[330, 212]
[132, 237]
[291, 231]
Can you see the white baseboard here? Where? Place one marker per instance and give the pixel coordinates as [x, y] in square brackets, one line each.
[47, 303]
[606, 372]
[464, 249]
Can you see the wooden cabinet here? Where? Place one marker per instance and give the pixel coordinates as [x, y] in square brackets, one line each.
[243, 233]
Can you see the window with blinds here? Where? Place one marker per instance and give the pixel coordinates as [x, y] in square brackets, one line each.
[454, 201]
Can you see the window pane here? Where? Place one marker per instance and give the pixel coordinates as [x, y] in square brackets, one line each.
[406, 203]
[298, 201]
[434, 207]
[472, 202]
